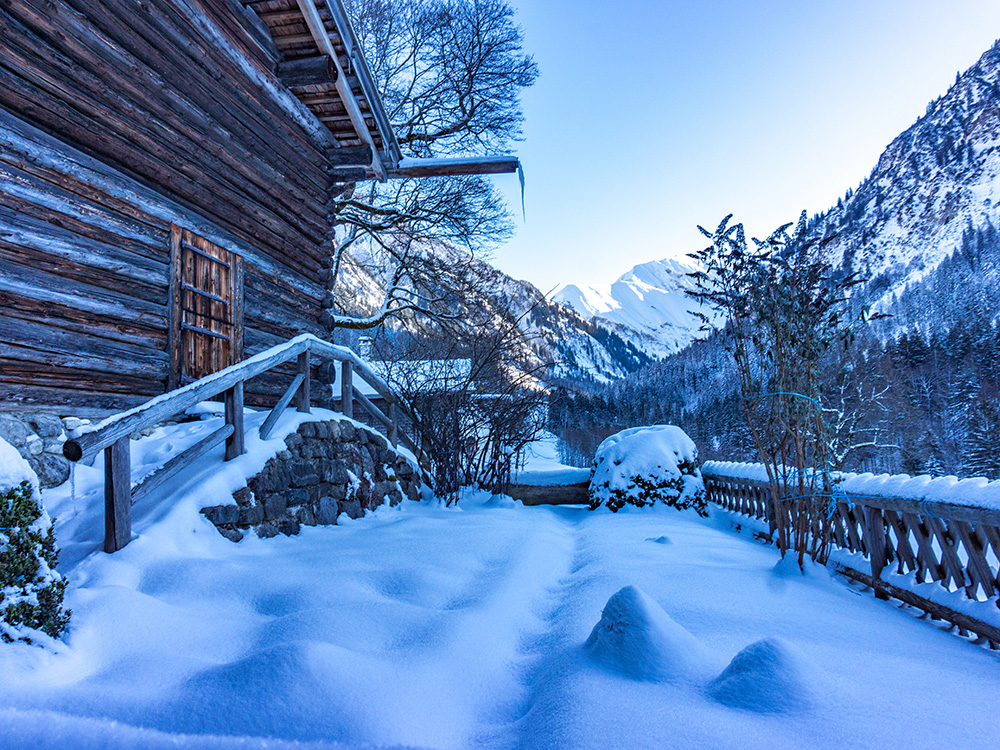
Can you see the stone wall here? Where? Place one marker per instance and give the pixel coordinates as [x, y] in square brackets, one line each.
[39, 439]
[327, 468]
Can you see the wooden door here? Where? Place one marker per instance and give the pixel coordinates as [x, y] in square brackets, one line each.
[206, 307]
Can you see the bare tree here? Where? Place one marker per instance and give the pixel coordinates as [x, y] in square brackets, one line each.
[784, 311]
[450, 73]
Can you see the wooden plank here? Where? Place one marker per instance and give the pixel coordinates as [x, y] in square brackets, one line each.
[949, 556]
[235, 443]
[117, 495]
[180, 462]
[286, 398]
[174, 306]
[369, 407]
[926, 555]
[978, 568]
[303, 395]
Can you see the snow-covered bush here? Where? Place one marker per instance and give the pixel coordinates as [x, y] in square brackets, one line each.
[31, 591]
[645, 465]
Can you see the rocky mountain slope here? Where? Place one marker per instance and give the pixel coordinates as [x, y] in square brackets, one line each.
[934, 181]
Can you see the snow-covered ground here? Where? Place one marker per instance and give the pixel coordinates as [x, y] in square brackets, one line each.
[468, 627]
[541, 466]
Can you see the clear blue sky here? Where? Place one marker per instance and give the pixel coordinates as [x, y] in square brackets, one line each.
[651, 117]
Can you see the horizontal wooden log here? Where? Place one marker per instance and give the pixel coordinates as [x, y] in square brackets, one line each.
[455, 167]
[308, 71]
[563, 494]
[23, 138]
[932, 608]
[180, 462]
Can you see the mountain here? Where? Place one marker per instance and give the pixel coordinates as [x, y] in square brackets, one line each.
[922, 233]
[573, 350]
[937, 179]
[647, 304]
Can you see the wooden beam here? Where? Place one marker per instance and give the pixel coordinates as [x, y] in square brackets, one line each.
[235, 444]
[350, 156]
[451, 167]
[307, 71]
[272, 418]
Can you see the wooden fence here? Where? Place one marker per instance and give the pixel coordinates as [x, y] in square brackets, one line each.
[113, 434]
[956, 546]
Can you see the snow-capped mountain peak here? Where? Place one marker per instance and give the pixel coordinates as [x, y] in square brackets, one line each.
[650, 299]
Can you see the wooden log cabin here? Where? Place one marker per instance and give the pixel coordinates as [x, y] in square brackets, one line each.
[167, 169]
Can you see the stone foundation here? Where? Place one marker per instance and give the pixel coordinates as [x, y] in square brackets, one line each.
[327, 468]
[39, 439]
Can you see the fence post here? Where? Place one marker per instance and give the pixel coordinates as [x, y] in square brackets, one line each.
[117, 495]
[234, 415]
[303, 396]
[347, 389]
[875, 542]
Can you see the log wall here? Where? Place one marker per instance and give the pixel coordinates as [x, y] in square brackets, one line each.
[117, 120]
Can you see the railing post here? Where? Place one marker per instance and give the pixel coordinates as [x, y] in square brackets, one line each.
[302, 399]
[234, 416]
[347, 389]
[394, 427]
[117, 495]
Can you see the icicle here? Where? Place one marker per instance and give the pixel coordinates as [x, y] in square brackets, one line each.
[520, 177]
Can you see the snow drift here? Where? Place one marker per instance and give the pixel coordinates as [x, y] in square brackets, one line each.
[769, 676]
[637, 639]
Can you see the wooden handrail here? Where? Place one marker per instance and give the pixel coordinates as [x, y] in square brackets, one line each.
[112, 435]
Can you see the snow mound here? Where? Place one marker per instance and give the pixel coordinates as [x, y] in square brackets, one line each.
[14, 469]
[637, 639]
[644, 465]
[769, 676]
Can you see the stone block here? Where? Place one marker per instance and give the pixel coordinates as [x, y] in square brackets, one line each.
[288, 526]
[53, 446]
[302, 474]
[338, 472]
[293, 441]
[403, 468]
[251, 515]
[307, 430]
[275, 506]
[222, 515]
[347, 431]
[327, 511]
[266, 530]
[73, 423]
[296, 496]
[259, 485]
[334, 430]
[13, 430]
[322, 430]
[351, 507]
[52, 470]
[35, 446]
[243, 496]
[233, 535]
[306, 516]
[338, 491]
[412, 490]
[285, 455]
[46, 425]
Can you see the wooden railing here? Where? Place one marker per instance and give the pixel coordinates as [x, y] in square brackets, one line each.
[113, 434]
[957, 546]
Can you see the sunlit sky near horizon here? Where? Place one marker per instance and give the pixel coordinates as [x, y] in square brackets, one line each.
[652, 117]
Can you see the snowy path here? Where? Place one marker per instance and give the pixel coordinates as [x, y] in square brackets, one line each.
[440, 628]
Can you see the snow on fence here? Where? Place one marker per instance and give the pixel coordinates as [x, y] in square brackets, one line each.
[924, 548]
[112, 435]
